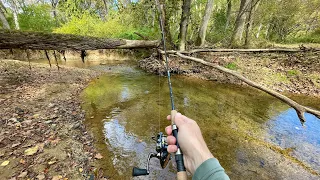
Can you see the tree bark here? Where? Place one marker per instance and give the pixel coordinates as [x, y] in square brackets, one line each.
[3, 19]
[228, 14]
[240, 22]
[162, 8]
[298, 107]
[204, 24]
[259, 29]
[105, 9]
[15, 14]
[253, 5]
[54, 4]
[44, 41]
[184, 24]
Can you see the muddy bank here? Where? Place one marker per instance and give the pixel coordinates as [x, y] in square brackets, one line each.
[292, 73]
[103, 54]
[42, 135]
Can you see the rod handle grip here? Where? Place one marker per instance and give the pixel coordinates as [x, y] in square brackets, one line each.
[182, 175]
[173, 115]
[139, 172]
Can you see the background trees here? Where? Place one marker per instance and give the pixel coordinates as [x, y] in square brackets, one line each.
[249, 23]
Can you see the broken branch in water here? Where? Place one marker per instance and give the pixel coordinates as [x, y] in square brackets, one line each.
[300, 109]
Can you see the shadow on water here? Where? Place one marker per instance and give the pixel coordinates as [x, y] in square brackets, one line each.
[127, 107]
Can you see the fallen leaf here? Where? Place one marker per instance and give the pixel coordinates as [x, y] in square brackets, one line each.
[58, 177]
[98, 156]
[41, 177]
[36, 115]
[51, 162]
[23, 174]
[4, 163]
[80, 170]
[22, 161]
[31, 151]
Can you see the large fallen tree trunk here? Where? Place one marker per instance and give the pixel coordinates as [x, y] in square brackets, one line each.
[45, 41]
[300, 109]
[279, 50]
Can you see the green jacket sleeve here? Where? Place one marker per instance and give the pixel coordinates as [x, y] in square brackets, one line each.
[211, 170]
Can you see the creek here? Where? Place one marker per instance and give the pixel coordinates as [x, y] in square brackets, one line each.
[254, 135]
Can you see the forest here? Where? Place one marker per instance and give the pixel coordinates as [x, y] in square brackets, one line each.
[86, 86]
[219, 23]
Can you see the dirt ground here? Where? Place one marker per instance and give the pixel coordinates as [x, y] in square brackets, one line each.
[297, 73]
[41, 131]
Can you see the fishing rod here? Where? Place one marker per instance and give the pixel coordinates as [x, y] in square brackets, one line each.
[162, 145]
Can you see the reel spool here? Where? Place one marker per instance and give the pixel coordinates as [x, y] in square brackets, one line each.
[162, 154]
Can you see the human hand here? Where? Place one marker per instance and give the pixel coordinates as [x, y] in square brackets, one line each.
[190, 140]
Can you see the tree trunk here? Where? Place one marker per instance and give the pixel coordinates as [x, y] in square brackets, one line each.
[184, 24]
[240, 22]
[166, 23]
[105, 9]
[44, 41]
[228, 13]
[259, 29]
[252, 8]
[54, 4]
[15, 14]
[204, 24]
[3, 19]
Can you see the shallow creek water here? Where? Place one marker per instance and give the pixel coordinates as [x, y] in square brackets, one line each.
[254, 135]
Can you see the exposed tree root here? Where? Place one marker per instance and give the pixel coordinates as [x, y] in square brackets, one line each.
[300, 109]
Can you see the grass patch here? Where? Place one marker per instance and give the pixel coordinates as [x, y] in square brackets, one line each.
[232, 66]
[293, 72]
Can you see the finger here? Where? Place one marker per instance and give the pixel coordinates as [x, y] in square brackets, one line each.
[171, 140]
[169, 117]
[172, 148]
[169, 130]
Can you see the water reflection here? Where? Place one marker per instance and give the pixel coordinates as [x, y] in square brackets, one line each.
[286, 131]
[136, 105]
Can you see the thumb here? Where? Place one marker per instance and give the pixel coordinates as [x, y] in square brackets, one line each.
[179, 119]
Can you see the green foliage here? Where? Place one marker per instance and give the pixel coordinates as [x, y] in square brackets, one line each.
[231, 65]
[293, 72]
[36, 17]
[89, 25]
[313, 37]
[218, 32]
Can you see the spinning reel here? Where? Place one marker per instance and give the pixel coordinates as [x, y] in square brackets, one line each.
[162, 154]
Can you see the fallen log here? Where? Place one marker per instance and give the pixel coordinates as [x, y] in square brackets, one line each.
[283, 50]
[53, 41]
[300, 109]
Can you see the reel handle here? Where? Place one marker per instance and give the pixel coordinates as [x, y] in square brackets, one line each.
[139, 172]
